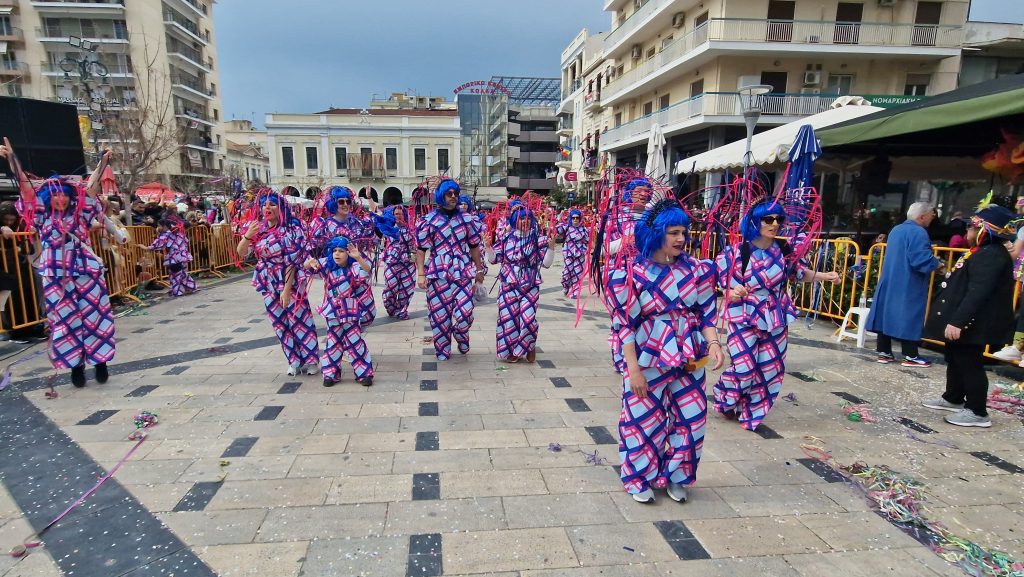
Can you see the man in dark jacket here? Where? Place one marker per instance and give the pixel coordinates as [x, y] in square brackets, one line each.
[974, 308]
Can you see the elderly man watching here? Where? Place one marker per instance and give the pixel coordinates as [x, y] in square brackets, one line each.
[899, 303]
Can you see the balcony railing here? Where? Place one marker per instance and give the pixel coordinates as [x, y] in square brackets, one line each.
[8, 68]
[87, 32]
[368, 166]
[186, 51]
[114, 69]
[631, 24]
[192, 113]
[778, 32]
[191, 83]
[171, 17]
[11, 34]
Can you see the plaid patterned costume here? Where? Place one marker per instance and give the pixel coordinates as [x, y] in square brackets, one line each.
[574, 253]
[449, 236]
[176, 246]
[74, 291]
[758, 332]
[278, 249]
[360, 231]
[521, 257]
[621, 251]
[342, 312]
[661, 309]
[399, 274]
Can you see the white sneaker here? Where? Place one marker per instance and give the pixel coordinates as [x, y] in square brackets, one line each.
[677, 492]
[1008, 353]
[292, 371]
[312, 369]
[967, 418]
[646, 497]
[942, 405]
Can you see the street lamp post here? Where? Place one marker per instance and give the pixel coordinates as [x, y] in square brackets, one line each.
[750, 104]
[91, 74]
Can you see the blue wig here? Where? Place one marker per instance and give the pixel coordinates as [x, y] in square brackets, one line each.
[335, 194]
[751, 227]
[521, 212]
[466, 200]
[650, 229]
[443, 187]
[573, 214]
[633, 185]
[54, 186]
[387, 223]
[336, 242]
[277, 200]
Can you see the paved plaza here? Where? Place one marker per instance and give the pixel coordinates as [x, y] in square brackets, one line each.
[466, 467]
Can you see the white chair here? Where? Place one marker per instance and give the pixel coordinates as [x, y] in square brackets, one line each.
[861, 321]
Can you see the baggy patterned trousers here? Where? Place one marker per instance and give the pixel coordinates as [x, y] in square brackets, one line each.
[517, 320]
[181, 281]
[345, 342]
[399, 284]
[81, 323]
[295, 329]
[572, 271]
[674, 411]
[749, 387]
[363, 293]
[450, 306]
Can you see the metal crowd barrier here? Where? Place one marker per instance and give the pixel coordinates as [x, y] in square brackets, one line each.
[24, 306]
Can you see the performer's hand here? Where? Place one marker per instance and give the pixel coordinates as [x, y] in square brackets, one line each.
[831, 276]
[551, 241]
[737, 293]
[421, 281]
[717, 355]
[253, 229]
[312, 264]
[353, 252]
[7, 232]
[286, 297]
[952, 333]
[638, 382]
[6, 150]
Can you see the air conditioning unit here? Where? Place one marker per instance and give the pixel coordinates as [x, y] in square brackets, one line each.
[678, 19]
[812, 78]
[886, 2]
[637, 51]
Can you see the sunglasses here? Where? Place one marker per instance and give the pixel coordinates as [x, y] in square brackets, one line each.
[771, 219]
[344, 201]
[451, 193]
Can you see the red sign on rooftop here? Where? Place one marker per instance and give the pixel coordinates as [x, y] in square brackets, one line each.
[483, 87]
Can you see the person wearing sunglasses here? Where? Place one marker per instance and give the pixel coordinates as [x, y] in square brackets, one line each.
[759, 310]
[574, 252]
[452, 240]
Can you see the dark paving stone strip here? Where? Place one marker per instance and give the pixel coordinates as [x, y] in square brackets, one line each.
[240, 330]
[110, 533]
[255, 321]
[222, 340]
[142, 391]
[289, 388]
[822, 470]
[766, 432]
[618, 469]
[914, 425]
[140, 331]
[428, 385]
[198, 497]
[545, 364]
[98, 417]
[601, 436]
[560, 382]
[428, 350]
[202, 306]
[589, 315]
[428, 366]
[165, 322]
[803, 377]
[851, 398]
[428, 410]
[997, 462]
[184, 313]
[867, 358]
[427, 441]
[176, 370]
[426, 486]
[240, 447]
[681, 540]
[424, 556]
[268, 413]
[914, 374]
[578, 405]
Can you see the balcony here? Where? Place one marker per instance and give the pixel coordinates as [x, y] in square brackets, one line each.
[188, 56]
[592, 103]
[204, 144]
[538, 136]
[191, 87]
[368, 166]
[540, 157]
[192, 115]
[8, 3]
[80, 8]
[114, 70]
[514, 152]
[751, 37]
[189, 6]
[513, 129]
[530, 183]
[717, 108]
[565, 128]
[62, 33]
[625, 35]
[185, 28]
[13, 69]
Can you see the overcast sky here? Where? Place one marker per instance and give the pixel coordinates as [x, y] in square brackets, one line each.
[308, 55]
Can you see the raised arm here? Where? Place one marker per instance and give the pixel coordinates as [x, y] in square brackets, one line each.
[28, 194]
[93, 187]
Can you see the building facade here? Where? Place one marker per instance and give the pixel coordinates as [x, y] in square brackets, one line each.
[157, 52]
[246, 156]
[387, 151]
[533, 148]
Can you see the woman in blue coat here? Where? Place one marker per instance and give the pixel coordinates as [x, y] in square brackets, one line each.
[902, 294]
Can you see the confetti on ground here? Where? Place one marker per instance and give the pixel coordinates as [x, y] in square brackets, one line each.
[939, 442]
[791, 397]
[501, 368]
[630, 549]
[555, 448]
[858, 413]
[594, 458]
[10, 368]
[145, 420]
[428, 340]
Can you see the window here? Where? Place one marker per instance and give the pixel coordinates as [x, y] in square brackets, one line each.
[419, 159]
[663, 102]
[840, 84]
[311, 158]
[340, 158]
[618, 119]
[650, 53]
[666, 41]
[696, 88]
[648, 108]
[120, 30]
[391, 158]
[288, 157]
[5, 26]
[917, 84]
[442, 160]
[216, 114]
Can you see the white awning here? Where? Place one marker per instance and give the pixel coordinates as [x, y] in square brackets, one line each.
[6, 10]
[771, 146]
[3, 48]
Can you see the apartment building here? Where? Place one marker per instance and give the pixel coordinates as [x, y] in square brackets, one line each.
[387, 150]
[245, 152]
[679, 63]
[132, 52]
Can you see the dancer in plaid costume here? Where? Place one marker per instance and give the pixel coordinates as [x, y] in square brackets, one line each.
[621, 249]
[759, 312]
[453, 241]
[521, 254]
[358, 230]
[467, 207]
[280, 246]
[664, 313]
[74, 290]
[343, 269]
[574, 252]
[172, 241]
[399, 262]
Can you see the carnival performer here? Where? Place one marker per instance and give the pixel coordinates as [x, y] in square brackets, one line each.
[663, 310]
[521, 254]
[399, 262]
[280, 246]
[453, 242]
[171, 240]
[574, 252]
[467, 206]
[621, 249]
[75, 293]
[359, 230]
[343, 268]
[759, 311]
